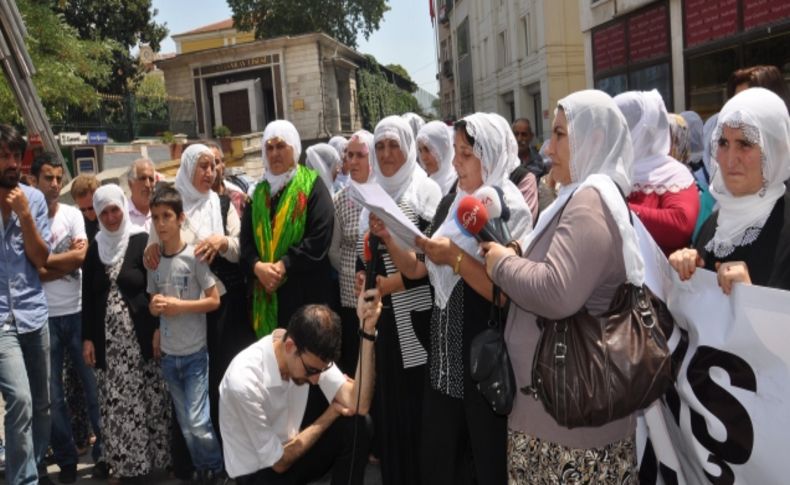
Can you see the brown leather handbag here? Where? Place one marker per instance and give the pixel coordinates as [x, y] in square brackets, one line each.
[589, 371]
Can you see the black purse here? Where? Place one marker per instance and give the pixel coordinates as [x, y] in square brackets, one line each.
[489, 362]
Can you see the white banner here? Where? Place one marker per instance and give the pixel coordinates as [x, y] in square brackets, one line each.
[727, 421]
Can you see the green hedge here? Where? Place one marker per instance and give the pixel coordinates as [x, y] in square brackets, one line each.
[378, 97]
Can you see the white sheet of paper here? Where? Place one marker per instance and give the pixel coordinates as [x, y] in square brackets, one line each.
[376, 200]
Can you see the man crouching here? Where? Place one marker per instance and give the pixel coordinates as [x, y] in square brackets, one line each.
[276, 430]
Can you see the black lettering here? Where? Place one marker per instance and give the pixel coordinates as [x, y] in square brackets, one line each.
[737, 448]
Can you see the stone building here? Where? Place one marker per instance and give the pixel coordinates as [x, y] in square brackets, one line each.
[243, 83]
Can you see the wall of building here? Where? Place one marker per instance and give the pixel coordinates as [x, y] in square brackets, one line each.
[526, 55]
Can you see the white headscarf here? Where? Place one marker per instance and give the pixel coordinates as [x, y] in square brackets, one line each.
[339, 143]
[410, 183]
[415, 121]
[286, 131]
[437, 138]
[366, 137]
[601, 155]
[763, 118]
[708, 147]
[694, 123]
[323, 158]
[112, 244]
[654, 170]
[203, 210]
[497, 150]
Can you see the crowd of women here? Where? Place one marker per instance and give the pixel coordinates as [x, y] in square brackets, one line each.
[711, 196]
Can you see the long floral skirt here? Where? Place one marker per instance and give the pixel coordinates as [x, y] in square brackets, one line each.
[134, 403]
[533, 461]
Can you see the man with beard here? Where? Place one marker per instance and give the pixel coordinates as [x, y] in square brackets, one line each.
[275, 428]
[527, 153]
[62, 279]
[24, 333]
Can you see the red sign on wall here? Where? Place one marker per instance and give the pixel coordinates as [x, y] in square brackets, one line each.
[647, 34]
[761, 12]
[707, 20]
[609, 47]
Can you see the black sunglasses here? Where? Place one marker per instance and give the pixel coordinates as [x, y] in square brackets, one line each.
[312, 371]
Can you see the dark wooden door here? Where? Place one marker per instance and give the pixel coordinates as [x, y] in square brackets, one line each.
[235, 106]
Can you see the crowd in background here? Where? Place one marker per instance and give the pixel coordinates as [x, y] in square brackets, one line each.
[130, 320]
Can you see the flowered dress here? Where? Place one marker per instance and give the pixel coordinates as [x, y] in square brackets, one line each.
[135, 406]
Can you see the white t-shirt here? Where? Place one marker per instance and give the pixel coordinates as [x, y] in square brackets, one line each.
[64, 295]
[259, 412]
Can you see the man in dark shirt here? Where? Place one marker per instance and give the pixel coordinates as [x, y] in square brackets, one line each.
[527, 153]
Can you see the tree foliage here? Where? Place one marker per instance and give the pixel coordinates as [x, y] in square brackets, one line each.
[151, 98]
[68, 70]
[126, 22]
[341, 19]
[400, 71]
[378, 97]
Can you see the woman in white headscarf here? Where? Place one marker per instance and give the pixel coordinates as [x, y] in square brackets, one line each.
[323, 158]
[457, 421]
[403, 325]
[747, 240]
[118, 333]
[582, 249]
[415, 121]
[339, 144]
[343, 252]
[435, 151]
[695, 124]
[286, 231]
[664, 195]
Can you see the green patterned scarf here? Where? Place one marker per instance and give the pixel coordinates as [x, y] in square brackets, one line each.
[272, 241]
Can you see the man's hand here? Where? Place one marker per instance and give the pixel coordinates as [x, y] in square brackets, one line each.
[369, 309]
[18, 201]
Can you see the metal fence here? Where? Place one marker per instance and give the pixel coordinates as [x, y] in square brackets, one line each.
[125, 118]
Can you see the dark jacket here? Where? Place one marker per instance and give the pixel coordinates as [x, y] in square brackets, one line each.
[132, 285]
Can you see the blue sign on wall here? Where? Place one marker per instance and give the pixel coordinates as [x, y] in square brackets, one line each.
[97, 137]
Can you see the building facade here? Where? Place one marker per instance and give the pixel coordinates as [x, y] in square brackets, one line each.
[686, 49]
[243, 83]
[513, 57]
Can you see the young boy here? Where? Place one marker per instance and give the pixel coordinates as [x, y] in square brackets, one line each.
[182, 290]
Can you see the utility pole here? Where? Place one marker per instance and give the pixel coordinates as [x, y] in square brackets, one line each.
[18, 69]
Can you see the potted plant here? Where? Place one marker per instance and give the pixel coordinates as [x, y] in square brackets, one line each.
[168, 138]
[222, 133]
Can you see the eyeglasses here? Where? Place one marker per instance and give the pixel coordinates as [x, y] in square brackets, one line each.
[86, 209]
[312, 371]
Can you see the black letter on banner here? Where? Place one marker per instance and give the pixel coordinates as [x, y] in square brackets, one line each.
[740, 434]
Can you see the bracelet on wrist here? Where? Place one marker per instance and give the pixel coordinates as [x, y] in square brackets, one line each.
[458, 259]
[368, 336]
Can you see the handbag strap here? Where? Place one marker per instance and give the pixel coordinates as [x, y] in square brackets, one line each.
[495, 315]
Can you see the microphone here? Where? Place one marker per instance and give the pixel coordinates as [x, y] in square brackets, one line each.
[472, 217]
[371, 253]
[498, 212]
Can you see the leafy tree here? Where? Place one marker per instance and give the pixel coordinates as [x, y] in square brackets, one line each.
[341, 19]
[378, 97]
[151, 98]
[126, 22]
[400, 71]
[68, 69]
